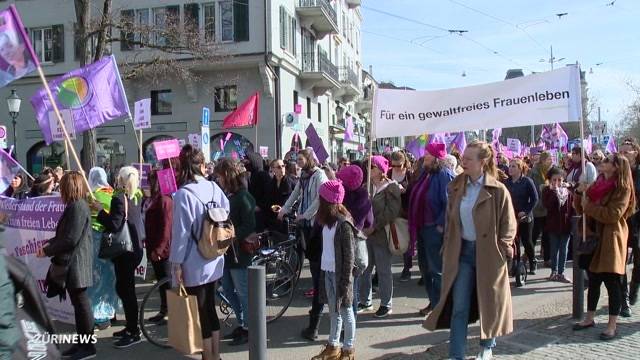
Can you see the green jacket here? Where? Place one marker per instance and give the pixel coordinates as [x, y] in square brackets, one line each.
[242, 215]
[103, 195]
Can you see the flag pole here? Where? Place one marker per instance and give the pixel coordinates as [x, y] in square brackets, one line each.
[140, 155]
[64, 129]
[20, 166]
[66, 154]
[373, 122]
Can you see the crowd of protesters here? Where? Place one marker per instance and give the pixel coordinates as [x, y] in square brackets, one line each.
[457, 206]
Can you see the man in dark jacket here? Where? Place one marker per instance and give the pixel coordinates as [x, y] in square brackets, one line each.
[257, 186]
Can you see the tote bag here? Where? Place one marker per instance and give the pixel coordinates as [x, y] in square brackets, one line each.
[184, 322]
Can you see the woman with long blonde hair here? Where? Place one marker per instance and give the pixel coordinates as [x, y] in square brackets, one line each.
[470, 245]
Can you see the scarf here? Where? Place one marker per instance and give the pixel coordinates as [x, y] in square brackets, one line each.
[563, 195]
[418, 208]
[601, 188]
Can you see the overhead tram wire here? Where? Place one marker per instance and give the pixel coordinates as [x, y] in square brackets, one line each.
[403, 40]
[500, 20]
[450, 31]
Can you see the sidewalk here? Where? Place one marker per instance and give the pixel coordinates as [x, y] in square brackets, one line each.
[546, 334]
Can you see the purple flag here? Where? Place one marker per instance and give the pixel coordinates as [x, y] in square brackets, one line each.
[495, 135]
[458, 142]
[316, 143]
[417, 146]
[611, 145]
[17, 58]
[348, 131]
[545, 136]
[558, 137]
[89, 97]
[438, 138]
[8, 170]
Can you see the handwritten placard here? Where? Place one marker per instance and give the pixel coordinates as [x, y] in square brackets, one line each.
[142, 116]
[167, 181]
[167, 149]
[514, 145]
[264, 151]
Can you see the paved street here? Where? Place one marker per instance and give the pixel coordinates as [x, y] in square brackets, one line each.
[542, 313]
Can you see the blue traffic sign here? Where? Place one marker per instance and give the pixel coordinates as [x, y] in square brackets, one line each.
[205, 116]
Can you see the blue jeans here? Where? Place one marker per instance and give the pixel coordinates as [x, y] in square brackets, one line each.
[339, 318]
[429, 248]
[463, 289]
[234, 283]
[559, 248]
[356, 294]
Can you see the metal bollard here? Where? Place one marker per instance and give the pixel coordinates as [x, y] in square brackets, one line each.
[257, 314]
[578, 274]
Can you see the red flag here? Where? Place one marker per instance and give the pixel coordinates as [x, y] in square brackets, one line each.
[245, 115]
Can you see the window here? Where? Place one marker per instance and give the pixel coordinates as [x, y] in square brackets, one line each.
[210, 22]
[319, 112]
[92, 43]
[226, 19]
[161, 102]
[192, 20]
[288, 31]
[142, 22]
[127, 22]
[308, 108]
[165, 19]
[48, 43]
[226, 98]
[295, 99]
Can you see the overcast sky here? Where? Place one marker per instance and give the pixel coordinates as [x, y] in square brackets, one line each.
[408, 42]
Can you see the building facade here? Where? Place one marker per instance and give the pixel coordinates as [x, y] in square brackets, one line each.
[303, 57]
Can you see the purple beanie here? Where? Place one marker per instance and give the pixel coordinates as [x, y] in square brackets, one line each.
[381, 163]
[332, 191]
[351, 177]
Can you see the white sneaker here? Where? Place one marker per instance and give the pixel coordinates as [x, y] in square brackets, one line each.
[485, 354]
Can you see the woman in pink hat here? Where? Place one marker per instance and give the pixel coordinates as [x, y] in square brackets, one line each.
[386, 208]
[337, 264]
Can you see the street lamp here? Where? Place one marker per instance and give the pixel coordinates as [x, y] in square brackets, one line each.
[13, 103]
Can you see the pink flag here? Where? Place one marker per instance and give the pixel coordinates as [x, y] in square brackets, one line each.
[245, 115]
[348, 131]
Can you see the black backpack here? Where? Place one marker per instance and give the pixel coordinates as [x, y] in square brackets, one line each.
[32, 319]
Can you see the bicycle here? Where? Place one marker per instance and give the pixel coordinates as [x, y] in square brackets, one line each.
[281, 257]
[157, 333]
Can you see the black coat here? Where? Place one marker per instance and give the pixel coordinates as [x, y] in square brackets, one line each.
[73, 233]
[114, 219]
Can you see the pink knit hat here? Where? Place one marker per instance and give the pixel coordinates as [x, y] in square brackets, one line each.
[351, 177]
[332, 191]
[437, 150]
[381, 163]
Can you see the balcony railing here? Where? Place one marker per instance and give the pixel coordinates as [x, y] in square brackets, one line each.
[319, 62]
[348, 76]
[323, 4]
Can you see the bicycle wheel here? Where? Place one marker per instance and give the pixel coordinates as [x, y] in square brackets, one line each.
[157, 333]
[281, 281]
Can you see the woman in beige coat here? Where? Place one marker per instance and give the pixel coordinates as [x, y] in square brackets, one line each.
[480, 229]
[607, 204]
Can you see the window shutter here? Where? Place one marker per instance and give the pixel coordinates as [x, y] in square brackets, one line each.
[294, 36]
[126, 36]
[241, 20]
[57, 37]
[283, 28]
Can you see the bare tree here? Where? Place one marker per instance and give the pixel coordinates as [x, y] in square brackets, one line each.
[170, 49]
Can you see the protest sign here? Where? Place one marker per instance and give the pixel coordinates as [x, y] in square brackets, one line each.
[514, 145]
[194, 140]
[167, 149]
[530, 100]
[264, 151]
[167, 181]
[142, 116]
[144, 175]
[56, 131]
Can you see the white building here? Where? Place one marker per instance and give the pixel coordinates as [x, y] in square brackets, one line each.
[305, 52]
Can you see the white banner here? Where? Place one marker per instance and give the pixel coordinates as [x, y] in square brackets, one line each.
[536, 99]
[29, 224]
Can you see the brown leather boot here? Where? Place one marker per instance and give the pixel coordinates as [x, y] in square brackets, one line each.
[348, 354]
[329, 353]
